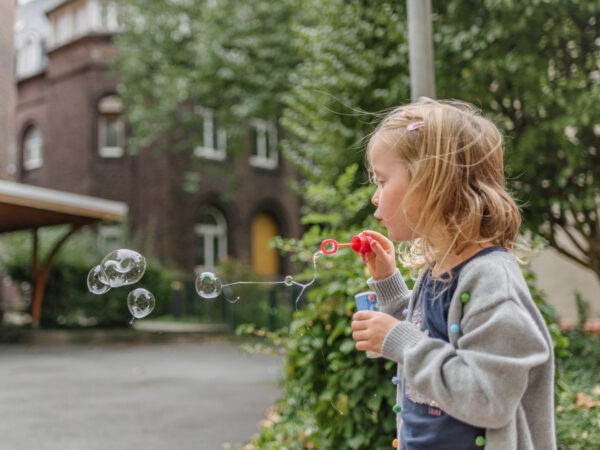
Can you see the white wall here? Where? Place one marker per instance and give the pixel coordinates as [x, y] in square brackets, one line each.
[560, 278]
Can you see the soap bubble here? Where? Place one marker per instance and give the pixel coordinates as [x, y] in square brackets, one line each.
[140, 302]
[123, 267]
[97, 281]
[208, 285]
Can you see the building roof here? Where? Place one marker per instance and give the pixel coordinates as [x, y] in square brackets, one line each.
[25, 207]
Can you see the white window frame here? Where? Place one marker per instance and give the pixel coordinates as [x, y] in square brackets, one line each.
[32, 148]
[29, 56]
[63, 27]
[81, 19]
[107, 15]
[207, 234]
[214, 138]
[265, 152]
[109, 112]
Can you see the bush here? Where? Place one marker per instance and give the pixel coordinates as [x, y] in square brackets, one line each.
[334, 396]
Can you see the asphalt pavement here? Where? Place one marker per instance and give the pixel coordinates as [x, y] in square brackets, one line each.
[202, 395]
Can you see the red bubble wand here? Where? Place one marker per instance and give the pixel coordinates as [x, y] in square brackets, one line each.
[361, 243]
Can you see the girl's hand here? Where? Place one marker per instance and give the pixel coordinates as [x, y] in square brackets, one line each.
[369, 329]
[381, 260]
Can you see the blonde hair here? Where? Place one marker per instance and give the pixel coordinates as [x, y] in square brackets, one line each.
[455, 162]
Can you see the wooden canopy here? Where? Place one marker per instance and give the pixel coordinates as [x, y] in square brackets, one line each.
[26, 207]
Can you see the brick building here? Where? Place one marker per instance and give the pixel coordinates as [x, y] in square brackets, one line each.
[70, 136]
[7, 15]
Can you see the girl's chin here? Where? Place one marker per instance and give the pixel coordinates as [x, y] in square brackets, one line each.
[398, 237]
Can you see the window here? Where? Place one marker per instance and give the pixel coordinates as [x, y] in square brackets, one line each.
[213, 139]
[108, 15]
[63, 27]
[211, 234]
[265, 260]
[29, 56]
[110, 127]
[81, 21]
[32, 148]
[264, 153]
[12, 157]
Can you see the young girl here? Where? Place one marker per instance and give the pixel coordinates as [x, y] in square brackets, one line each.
[475, 359]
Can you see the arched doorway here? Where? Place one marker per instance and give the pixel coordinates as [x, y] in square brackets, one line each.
[265, 260]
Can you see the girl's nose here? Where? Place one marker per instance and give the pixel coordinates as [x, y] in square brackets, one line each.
[375, 198]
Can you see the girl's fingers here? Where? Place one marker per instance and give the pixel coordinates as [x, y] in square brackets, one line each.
[360, 316]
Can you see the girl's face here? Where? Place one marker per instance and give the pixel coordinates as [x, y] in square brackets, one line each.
[395, 211]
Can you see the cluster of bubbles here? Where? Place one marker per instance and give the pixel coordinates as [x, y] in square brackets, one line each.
[123, 267]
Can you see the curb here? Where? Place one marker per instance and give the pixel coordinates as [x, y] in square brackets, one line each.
[589, 326]
[139, 332]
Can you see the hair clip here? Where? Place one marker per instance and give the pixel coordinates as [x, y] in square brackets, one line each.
[415, 125]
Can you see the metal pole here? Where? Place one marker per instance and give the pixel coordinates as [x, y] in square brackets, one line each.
[420, 47]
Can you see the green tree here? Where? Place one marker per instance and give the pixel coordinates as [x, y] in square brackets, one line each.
[354, 56]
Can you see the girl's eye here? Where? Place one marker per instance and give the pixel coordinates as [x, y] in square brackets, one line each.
[376, 180]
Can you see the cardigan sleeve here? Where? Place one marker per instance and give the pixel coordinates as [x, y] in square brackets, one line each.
[481, 376]
[392, 294]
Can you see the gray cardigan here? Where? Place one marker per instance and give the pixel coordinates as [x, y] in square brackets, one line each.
[497, 372]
